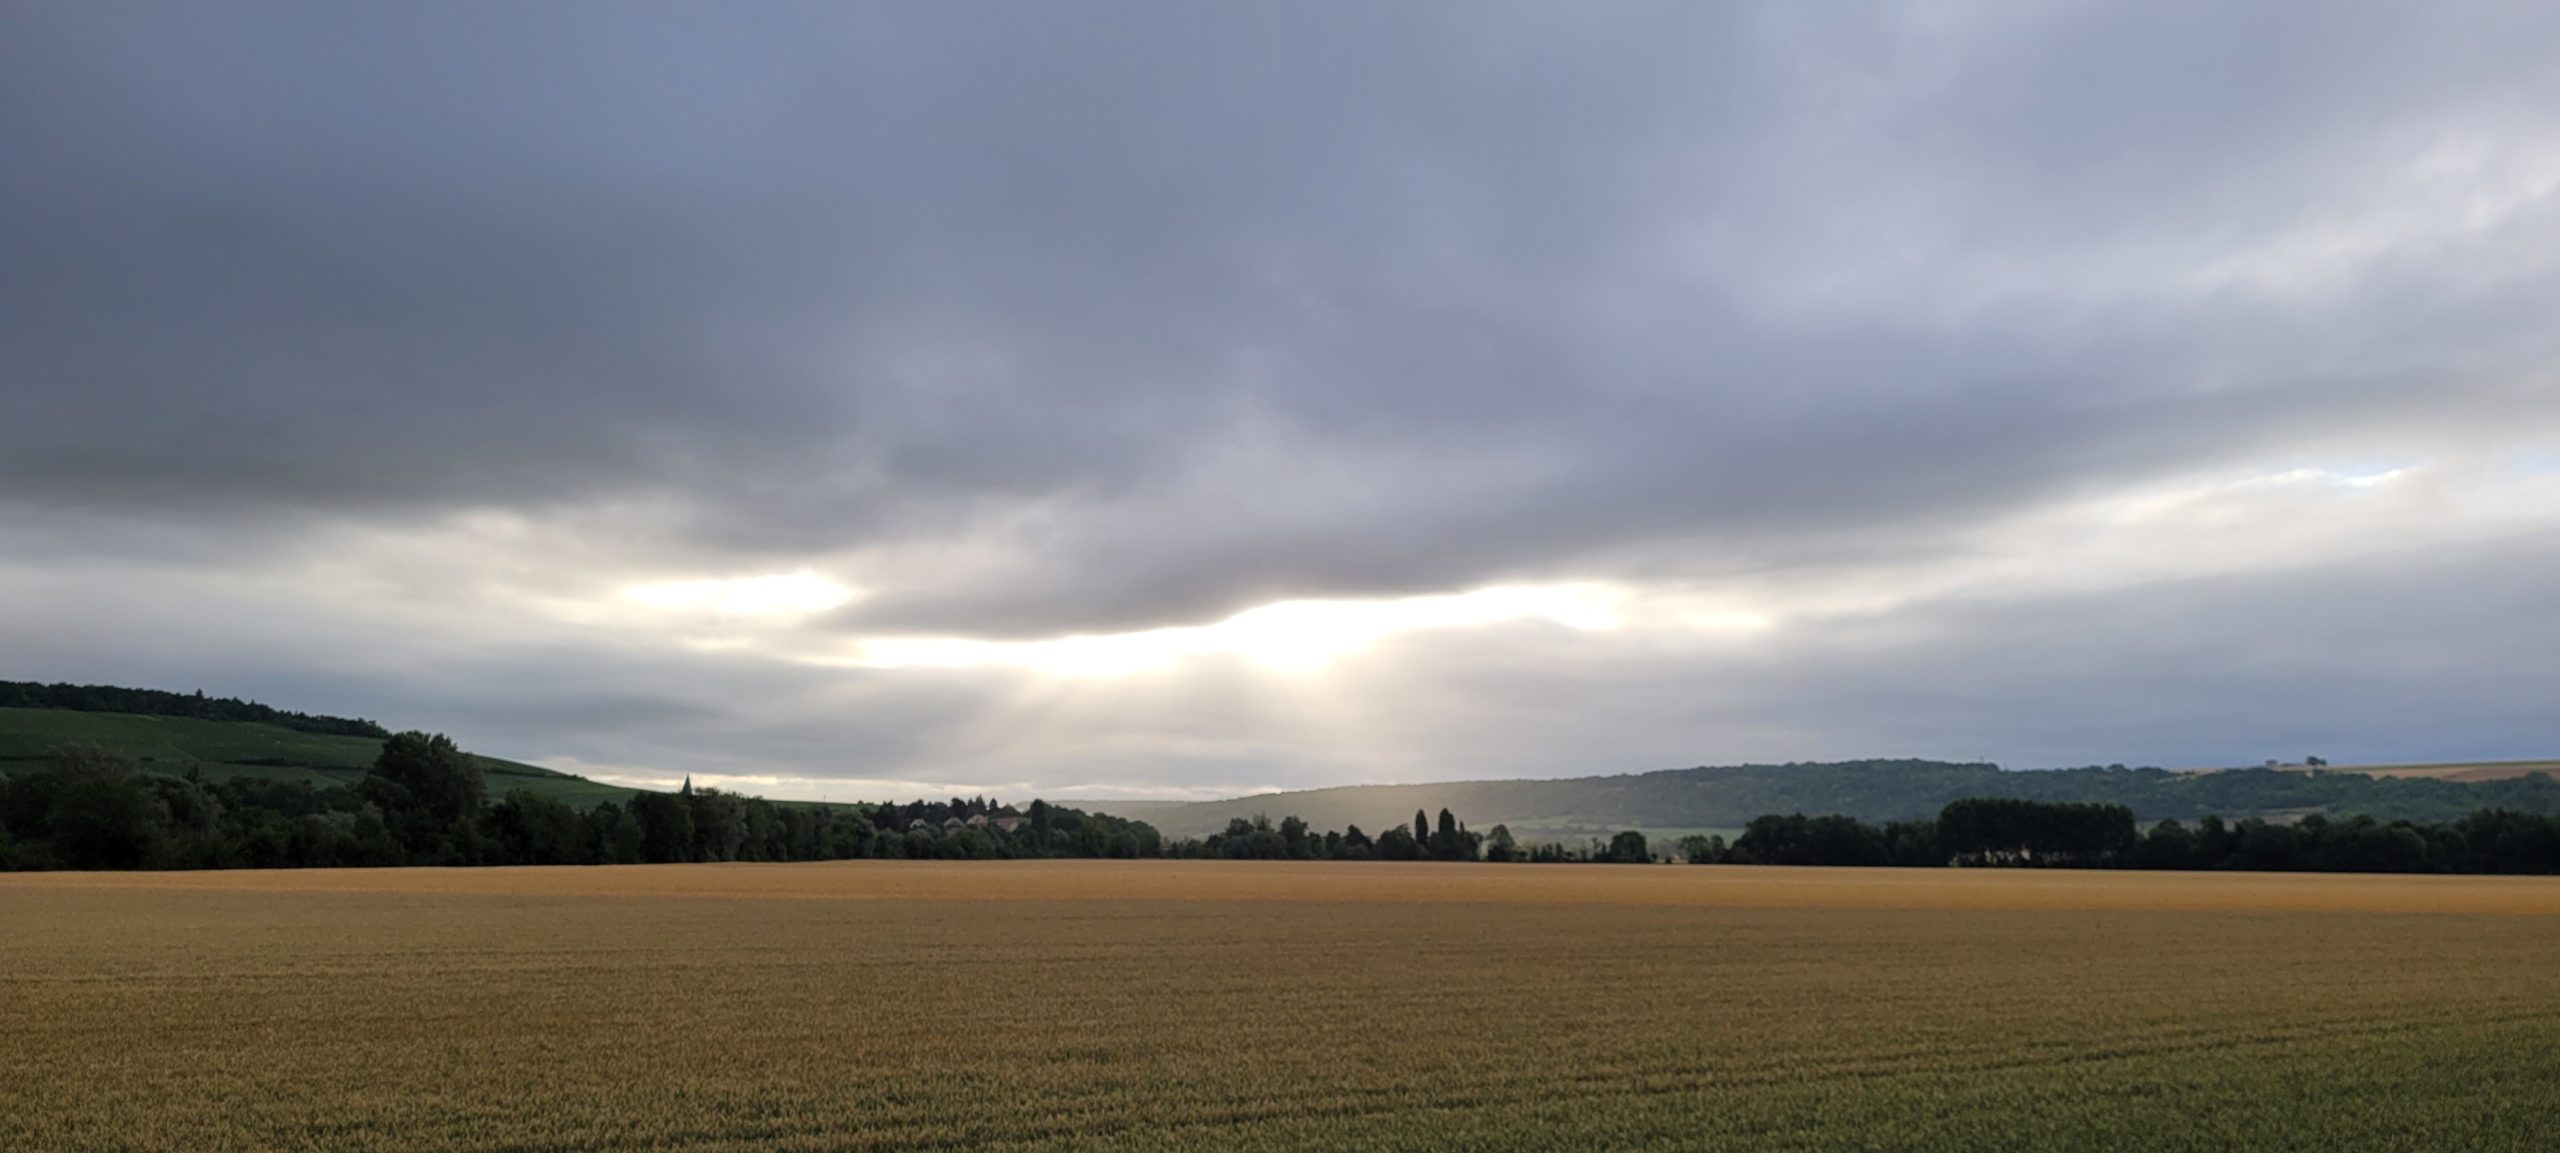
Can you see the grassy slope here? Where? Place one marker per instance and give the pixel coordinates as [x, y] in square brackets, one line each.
[1723, 798]
[221, 749]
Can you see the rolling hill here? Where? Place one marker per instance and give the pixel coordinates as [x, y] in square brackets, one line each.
[2446, 771]
[1723, 798]
[221, 749]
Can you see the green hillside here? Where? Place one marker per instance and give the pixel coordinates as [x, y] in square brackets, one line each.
[1727, 797]
[223, 749]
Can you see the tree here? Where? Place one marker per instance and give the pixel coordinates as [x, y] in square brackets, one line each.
[619, 838]
[427, 774]
[1293, 837]
[719, 825]
[1499, 846]
[1253, 840]
[666, 826]
[2006, 830]
[1701, 850]
[430, 793]
[532, 830]
[1452, 842]
[102, 815]
[2168, 846]
[1421, 828]
[1399, 844]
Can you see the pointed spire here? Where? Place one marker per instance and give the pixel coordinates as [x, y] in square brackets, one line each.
[687, 790]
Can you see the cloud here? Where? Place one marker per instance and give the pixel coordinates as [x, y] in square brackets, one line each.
[371, 359]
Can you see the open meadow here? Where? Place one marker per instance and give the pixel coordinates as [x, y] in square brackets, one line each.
[1161, 1005]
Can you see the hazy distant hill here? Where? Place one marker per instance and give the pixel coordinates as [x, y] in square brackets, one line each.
[1726, 797]
[220, 749]
[2443, 771]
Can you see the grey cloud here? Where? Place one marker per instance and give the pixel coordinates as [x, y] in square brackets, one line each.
[1159, 311]
[834, 273]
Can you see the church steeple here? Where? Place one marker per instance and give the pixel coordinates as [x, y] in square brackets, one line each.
[687, 790]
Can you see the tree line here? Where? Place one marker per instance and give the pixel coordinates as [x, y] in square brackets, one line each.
[425, 802]
[158, 703]
[2016, 833]
[2001, 832]
[1446, 839]
[1291, 840]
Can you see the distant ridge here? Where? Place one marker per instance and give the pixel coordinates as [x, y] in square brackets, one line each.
[161, 703]
[1726, 797]
[2444, 771]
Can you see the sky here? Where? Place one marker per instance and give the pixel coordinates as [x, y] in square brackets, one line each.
[1172, 400]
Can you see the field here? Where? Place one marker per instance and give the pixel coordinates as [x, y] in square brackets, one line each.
[222, 749]
[1163, 1006]
[2456, 771]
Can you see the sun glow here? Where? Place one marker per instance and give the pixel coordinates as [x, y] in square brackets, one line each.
[1296, 636]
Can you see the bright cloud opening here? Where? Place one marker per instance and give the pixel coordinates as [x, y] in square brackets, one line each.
[1296, 636]
[778, 595]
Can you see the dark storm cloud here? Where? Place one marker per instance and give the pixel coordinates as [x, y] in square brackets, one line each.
[1519, 284]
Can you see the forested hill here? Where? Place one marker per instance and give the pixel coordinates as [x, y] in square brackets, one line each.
[1730, 796]
[162, 703]
[178, 744]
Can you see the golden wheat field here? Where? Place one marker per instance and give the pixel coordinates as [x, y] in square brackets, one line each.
[1163, 1005]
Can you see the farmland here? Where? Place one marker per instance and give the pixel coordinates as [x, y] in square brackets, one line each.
[1164, 1005]
[2464, 771]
